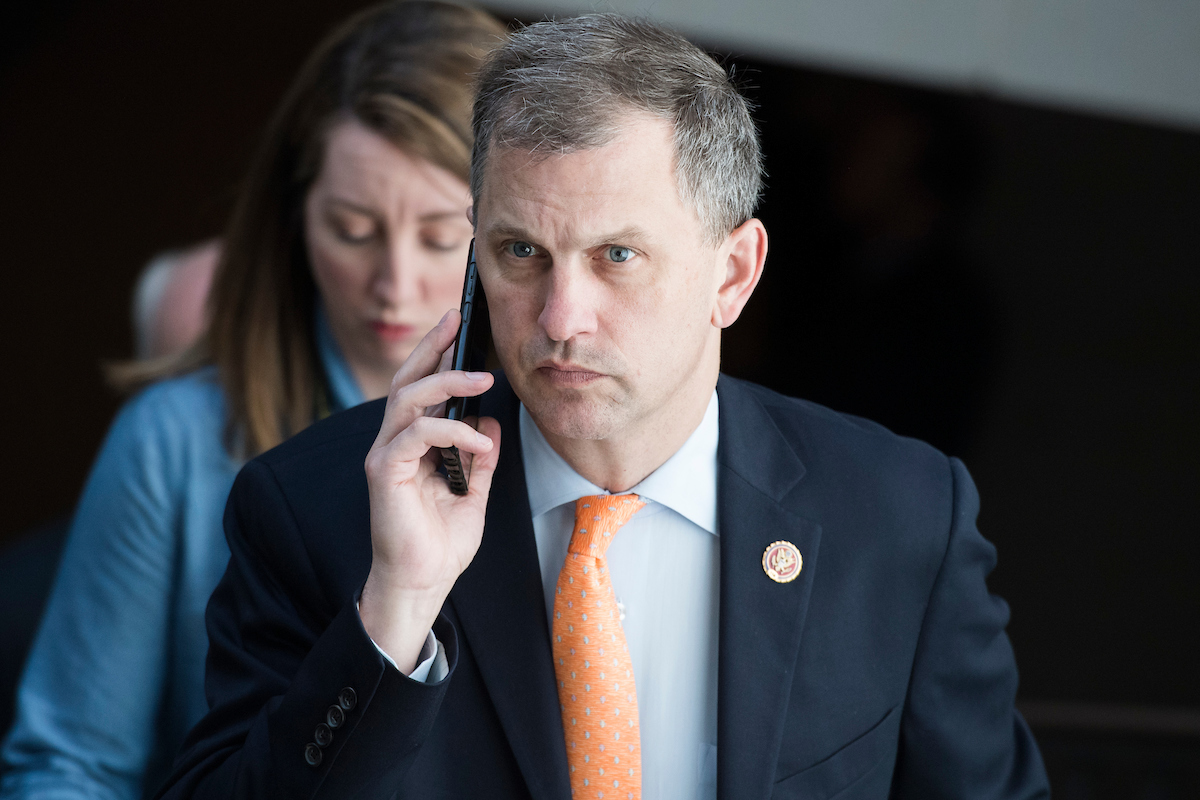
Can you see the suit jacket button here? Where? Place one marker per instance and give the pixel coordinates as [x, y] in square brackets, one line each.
[347, 699]
[323, 735]
[334, 717]
[312, 754]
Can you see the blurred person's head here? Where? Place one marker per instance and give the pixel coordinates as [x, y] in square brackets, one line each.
[169, 300]
[356, 201]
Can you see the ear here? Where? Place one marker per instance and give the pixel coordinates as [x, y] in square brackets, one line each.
[471, 213]
[744, 253]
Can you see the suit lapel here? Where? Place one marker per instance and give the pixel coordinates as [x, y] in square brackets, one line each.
[501, 606]
[761, 620]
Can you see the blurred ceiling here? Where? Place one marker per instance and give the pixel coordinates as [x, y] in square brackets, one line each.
[1136, 59]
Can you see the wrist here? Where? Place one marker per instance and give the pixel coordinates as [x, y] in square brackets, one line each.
[398, 621]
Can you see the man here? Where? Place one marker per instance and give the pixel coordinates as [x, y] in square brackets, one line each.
[805, 613]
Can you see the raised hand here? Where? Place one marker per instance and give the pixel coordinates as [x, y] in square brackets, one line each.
[422, 535]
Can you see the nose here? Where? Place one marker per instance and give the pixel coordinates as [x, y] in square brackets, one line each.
[569, 308]
[398, 276]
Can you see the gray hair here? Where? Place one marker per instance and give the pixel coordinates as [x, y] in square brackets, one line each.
[559, 87]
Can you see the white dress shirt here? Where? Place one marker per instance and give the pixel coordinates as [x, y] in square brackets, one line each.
[664, 564]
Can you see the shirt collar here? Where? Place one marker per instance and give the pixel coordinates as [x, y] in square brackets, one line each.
[686, 483]
[343, 389]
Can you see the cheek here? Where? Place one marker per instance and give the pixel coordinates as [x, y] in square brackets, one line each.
[342, 280]
[504, 326]
[659, 330]
[445, 288]
[512, 320]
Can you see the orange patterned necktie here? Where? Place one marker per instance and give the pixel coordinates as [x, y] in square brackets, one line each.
[591, 659]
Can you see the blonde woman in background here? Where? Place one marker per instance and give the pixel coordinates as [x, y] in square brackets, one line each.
[346, 246]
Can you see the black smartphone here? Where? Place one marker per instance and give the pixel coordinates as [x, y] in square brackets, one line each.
[470, 353]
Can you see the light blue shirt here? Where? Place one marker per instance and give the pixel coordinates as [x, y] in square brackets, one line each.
[665, 566]
[116, 676]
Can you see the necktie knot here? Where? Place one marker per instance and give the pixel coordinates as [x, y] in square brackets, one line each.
[597, 519]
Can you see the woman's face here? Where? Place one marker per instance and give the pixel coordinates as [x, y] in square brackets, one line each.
[387, 237]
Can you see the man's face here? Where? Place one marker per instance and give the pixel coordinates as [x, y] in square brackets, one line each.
[600, 283]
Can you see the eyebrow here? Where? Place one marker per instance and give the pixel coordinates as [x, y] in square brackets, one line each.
[505, 231]
[630, 234]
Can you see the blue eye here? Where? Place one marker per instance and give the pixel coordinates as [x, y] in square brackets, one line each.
[619, 254]
[521, 249]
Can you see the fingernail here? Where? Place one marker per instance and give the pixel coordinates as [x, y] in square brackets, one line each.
[445, 317]
[478, 376]
[483, 439]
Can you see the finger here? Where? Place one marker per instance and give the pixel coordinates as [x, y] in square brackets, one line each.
[415, 441]
[411, 402]
[446, 360]
[420, 362]
[483, 465]
[439, 410]
[424, 358]
[467, 458]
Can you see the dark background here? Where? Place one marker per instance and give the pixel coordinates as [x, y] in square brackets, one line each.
[1016, 284]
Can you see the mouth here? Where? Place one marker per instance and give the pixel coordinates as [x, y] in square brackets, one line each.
[568, 375]
[392, 333]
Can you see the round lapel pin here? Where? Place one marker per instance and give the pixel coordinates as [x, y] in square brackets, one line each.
[782, 562]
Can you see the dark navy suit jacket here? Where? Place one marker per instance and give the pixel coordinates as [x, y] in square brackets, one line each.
[882, 671]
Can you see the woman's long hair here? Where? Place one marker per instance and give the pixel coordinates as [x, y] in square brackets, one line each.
[403, 69]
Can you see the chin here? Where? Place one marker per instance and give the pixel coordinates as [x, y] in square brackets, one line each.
[578, 417]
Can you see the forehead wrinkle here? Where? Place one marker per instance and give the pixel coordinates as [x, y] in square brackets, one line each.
[577, 219]
[548, 229]
[529, 215]
[596, 198]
